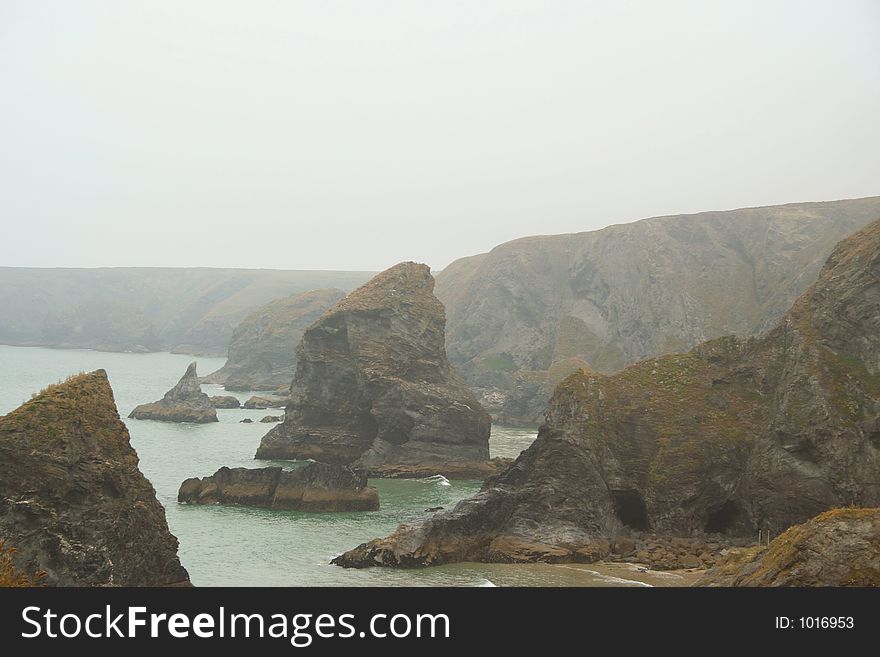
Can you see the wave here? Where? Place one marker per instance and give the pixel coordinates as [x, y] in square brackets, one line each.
[438, 479]
[485, 582]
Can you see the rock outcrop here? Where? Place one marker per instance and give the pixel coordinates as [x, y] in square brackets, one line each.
[731, 437]
[262, 403]
[272, 418]
[838, 548]
[313, 487]
[185, 402]
[225, 401]
[373, 385]
[72, 499]
[529, 313]
[262, 350]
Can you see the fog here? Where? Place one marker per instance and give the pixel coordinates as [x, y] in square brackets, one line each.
[353, 135]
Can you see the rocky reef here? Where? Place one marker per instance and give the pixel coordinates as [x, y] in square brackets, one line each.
[261, 403]
[185, 402]
[840, 547]
[262, 350]
[225, 401]
[313, 487]
[731, 437]
[530, 312]
[72, 499]
[373, 385]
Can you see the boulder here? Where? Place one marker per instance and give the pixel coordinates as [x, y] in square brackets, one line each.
[261, 403]
[373, 385]
[73, 502]
[185, 402]
[272, 418]
[225, 401]
[313, 487]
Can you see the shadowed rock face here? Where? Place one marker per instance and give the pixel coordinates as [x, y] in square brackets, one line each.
[530, 312]
[314, 487]
[185, 402]
[72, 499]
[730, 437]
[373, 385]
[837, 548]
[262, 350]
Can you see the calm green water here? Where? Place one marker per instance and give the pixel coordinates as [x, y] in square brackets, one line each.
[238, 546]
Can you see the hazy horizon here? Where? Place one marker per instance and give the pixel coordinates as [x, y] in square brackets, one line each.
[350, 136]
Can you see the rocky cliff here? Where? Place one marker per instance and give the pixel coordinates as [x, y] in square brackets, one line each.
[185, 402]
[186, 310]
[313, 487]
[373, 385]
[262, 350]
[531, 311]
[733, 436]
[838, 548]
[72, 499]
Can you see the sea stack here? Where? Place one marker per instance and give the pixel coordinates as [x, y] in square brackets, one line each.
[262, 350]
[313, 487]
[185, 402]
[730, 438]
[373, 386]
[73, 502]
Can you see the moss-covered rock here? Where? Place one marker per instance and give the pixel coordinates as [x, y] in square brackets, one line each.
[840, 547]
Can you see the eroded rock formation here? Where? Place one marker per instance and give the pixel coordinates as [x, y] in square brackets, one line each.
[837, 548]
[72, 499]
[731, 437]
[373, 385]
[185, 402]
[313, 487]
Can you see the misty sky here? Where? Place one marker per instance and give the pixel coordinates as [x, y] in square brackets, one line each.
[353, 135]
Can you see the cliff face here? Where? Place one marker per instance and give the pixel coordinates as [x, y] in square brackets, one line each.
[373, 385]
[72, 499]
[730, 437]
[192, 310]
[185, 402]
[530, 312]
[262, 350]
[838, 548]
[313, 487]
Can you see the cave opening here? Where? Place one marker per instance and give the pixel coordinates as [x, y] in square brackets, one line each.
[630, 509]
[722, 519]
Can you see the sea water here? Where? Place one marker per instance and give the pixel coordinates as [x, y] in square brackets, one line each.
[239, 546]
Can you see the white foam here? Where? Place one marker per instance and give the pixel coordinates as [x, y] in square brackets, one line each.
[438, 479]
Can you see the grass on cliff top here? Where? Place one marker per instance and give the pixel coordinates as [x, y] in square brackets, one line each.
[81, 405]
[787, 549]
[12, 577]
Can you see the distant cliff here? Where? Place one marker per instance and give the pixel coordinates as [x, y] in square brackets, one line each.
[734, 436]
[262, 350]
[191, 310]
[523, 316]
[72, 500]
